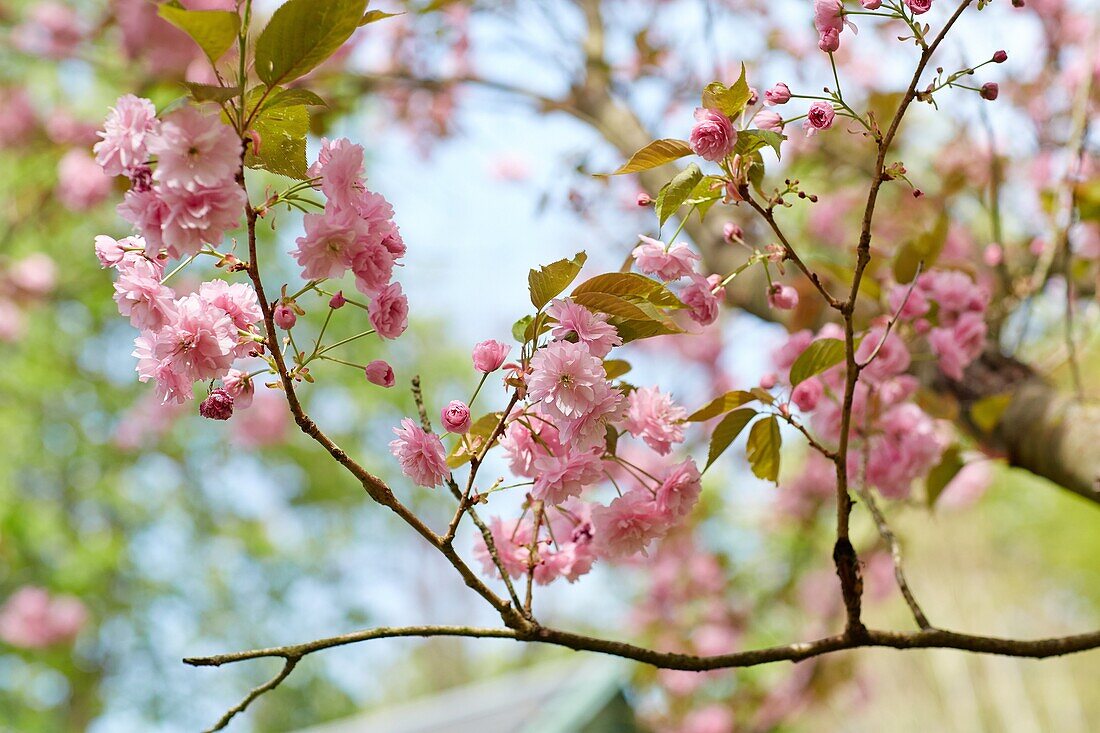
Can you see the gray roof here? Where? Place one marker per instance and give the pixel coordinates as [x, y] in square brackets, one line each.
[559, 697]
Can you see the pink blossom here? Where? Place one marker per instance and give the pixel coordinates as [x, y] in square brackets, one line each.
[125, 136]
[33, 619]
[389, 312]
[699, 297]
[511, 541]
[565, 377]
[194, 215]
[891, 360]
[266, 423]
[380, 373]
[588, 430]
[489, 355]
[330, 243]
[807, 394]
[455, 417]
[420, 454]
[779, 94]
[373, 267]
[238, 300]
[713, 136]
[109, 251]
[17, 117]
[673, 263]
[34, 275]
[768, 120]
[968, 485]
[590, 328]
[340, 167]
[140, 294]
[240, 387]
[218, 405]
[993, 254]
[908, 302]
[653, 416]
[145, 210]
[627, 525]
[81, 184]
[196, 345]
[713, 718]
[820, 117]
[957, 346]
[560, 476]
[284, 316]
[907, 448]
[954, 293]
[782, 297]
[919, 7]
[829, 22]
[870, 4]
[679, 492]
[795, 344]
[523, 444]
[51, 30]
[195, 150]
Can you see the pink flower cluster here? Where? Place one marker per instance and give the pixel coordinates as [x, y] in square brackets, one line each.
[355, 232]
[32, 618]
[556, 442]
[957, 331]
[675, 262]
[902, 441]
[23, 283]
[191, 197]
[186, 339]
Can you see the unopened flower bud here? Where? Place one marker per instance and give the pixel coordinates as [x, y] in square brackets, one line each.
[990, 90]
[644, 199]
[732, 232]
[455, 417]
[217, 406]
[337, 301]
[380, 373]
[284, 317]
[1000, 57]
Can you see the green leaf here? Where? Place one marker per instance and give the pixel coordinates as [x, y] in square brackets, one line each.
[988, 411]
[657, 153]
[726, 431]
[373, 16]
[482, 428]
[763, 449]
[282, 142]
[549, 281]
[630, 285]
[211, 93]
[214, 30]
[727, 100]
[293, 98]
[637, 330]
[749, 141]
[613, 305]
[615, 367]
[940, 476]
[302, 34]
[818, 356]
[924, 248]
[718, 405]
[519, 328]
[676, 191]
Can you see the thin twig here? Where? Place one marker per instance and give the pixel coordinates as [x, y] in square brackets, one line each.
[892, 542]
[271, 684]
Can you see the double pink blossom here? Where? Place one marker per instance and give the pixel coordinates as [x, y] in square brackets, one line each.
[126, 134]
[488, 356]
[713, 137]
[389, 311]
[668, 263]
[655, 418]
[590, 328]
[420, 454]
